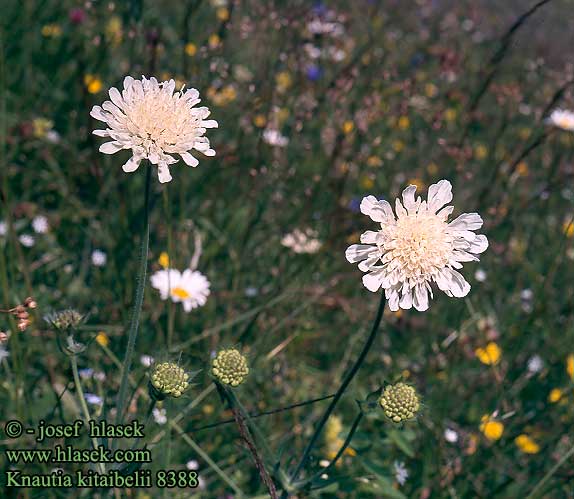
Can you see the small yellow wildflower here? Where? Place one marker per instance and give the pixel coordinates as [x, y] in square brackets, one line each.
[214, 41]
[522, 169]
[259, 120]
[102, 339]
[524, 133]
[367, 183]
[418, 182]
[431, 90]
[374, 161]
[432, 168]
[568, 228]
[114, 31]
[348, 127]
[333, 427]
[41, 127]
[404, 122]
[492, 430]
[163, 260]
[555, 395]
[489, 355]
[283, 81]
[208, 409]
[398, 145]
[480, 152]
[190, 49]
[222, 14]
[51, 30]
[93, 83]
[450, 114]
[526, 444]
[570, 366]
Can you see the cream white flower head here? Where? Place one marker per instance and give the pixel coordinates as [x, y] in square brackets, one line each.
[417, 247]
[190, 288]
[562, 119]
[155, 123]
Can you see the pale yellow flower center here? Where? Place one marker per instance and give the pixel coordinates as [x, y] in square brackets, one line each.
[419, 244]
[180, 293]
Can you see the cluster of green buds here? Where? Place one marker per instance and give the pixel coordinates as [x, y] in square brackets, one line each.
[230, 367]
[400, 402]
[168, 380]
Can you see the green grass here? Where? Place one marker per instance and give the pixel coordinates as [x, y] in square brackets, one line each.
[406, 83]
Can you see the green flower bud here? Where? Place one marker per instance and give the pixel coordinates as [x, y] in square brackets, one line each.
[65, 319]
[230, 367]
[168, 380]
[400, 402]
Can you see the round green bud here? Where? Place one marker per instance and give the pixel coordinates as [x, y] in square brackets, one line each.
[168, 380]
[400, 402]
[230, 367]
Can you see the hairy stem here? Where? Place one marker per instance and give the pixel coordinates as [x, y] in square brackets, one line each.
[83, 404]
[138, 302]
[346, 381]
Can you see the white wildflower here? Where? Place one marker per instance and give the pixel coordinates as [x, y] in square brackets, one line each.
[155, 123]
[274, 138]
[480, 275]
[401, 473]
[93, 399]
[3, 228]
[563, 119]
[146, 360]
[450, 435]
[99, 258]
[302, 241]
[191, 287]
[417, 247]
[27, 240]
[40, 224]
[535, 364]
[159, 415]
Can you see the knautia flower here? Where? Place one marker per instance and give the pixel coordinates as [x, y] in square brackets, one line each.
[230, 367]
[168, 380]
[400, 402]
[563, 119]
[190, 288]
[155, 123]
[417, 247]
[40, 224]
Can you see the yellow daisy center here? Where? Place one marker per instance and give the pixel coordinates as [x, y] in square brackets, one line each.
[180, 293]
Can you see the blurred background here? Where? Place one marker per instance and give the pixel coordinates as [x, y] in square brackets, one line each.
[318, 104]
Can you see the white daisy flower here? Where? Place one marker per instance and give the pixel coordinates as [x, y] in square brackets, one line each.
[40, 224]
[99, 258]
[27, 240]
[302, 241]
[190, 288]
[155, 123]
[417, 247]
[535, 364]
[562, 119]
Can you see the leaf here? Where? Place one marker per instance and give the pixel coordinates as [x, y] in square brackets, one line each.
[400, 440]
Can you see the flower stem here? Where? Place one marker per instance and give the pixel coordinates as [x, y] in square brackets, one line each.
[549, 475]
[346, 381]
[248, 439]
[138, 302]
[86, 411]
[343, 448]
